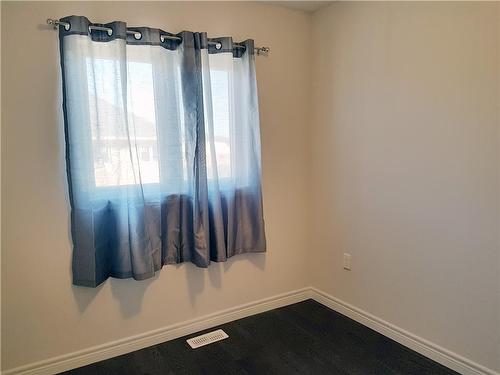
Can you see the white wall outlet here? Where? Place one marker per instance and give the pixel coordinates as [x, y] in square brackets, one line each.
[347, 261]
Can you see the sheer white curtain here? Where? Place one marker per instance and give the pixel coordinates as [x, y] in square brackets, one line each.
[163, 149]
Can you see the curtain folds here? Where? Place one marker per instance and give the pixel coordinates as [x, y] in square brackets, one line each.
[162, 149]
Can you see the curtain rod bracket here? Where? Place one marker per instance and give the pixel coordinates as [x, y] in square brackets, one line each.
[56, 23]
[263, 51]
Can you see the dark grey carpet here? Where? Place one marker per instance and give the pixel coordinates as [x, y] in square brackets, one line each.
[304, 338]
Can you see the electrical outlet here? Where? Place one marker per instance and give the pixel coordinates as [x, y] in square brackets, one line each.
[347, 261]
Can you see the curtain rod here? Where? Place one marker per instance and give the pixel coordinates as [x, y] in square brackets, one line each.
[261, 51]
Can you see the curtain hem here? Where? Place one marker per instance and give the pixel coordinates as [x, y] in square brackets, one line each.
[149, 275]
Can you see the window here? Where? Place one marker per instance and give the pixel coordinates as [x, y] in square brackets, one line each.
[110, 142]
[220, 105]
[112, 163]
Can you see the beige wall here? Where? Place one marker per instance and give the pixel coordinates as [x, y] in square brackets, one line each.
[498, 176]
[0, 199]
[405, 143]
[398, 155]
[42, 314]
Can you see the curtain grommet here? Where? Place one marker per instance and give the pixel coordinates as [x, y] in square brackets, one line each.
[108, 30]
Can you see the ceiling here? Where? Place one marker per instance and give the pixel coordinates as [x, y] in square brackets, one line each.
[305, 6]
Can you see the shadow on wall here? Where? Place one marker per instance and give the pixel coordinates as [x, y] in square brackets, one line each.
[130, 293]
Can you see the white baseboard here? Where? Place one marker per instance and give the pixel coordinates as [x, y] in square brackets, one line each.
[435, 352]
[115, 348]
[111, 349]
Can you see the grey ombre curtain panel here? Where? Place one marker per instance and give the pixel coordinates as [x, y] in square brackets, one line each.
[162, 149]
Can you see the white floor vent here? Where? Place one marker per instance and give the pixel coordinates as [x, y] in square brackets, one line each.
[207, 338]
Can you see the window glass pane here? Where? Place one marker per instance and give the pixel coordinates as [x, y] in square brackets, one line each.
[124, 131]
[124, 138]
[221, 121]
[142, 120]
